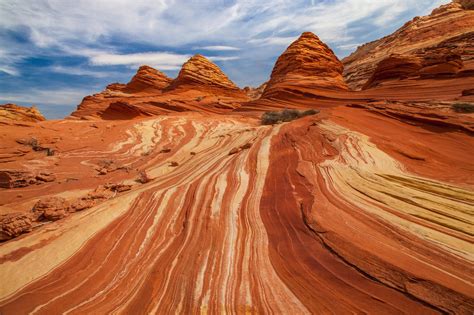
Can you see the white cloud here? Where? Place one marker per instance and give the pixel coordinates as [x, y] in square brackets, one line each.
[251, 29]
[81, 72]
[9, 70]
[350, 46]
[276, 41]
[223, 58]
[218, 48]
[65, 96]
[159, 60]
[174, 23]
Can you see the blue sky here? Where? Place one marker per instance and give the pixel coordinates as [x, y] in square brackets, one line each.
[54, 52]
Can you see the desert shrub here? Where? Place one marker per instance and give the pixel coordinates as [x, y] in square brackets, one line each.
[271, 118]
[463, 107]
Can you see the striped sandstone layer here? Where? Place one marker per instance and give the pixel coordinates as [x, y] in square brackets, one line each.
[310, 217]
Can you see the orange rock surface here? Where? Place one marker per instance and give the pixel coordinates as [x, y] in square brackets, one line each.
[306, 63]
[200, 71]
[20, 113]
[170, 201]
[200, 86]
[450, 27]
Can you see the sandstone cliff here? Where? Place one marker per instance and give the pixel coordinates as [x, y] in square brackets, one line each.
[447, 31]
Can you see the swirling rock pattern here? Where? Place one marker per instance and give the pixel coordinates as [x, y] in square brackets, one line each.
[168, 202]
[312, 217]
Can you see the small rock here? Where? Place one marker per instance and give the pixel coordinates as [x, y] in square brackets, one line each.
[45, 177]
[14, 224]
[51, 208]
[246, 146]
[173, 164]
[235, 151]
[118, 187]
[102, 171]
[143, 177]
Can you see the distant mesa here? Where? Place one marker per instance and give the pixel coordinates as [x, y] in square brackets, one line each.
[20, 113]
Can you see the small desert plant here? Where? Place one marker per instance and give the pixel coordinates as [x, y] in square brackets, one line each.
[271, 118]
[463, 107]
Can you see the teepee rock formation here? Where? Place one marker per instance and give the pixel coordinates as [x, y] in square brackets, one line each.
[200, 85]
[148, 78]
[201, 72]
[307, 63]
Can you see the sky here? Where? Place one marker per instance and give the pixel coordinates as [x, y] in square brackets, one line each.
[55, 52]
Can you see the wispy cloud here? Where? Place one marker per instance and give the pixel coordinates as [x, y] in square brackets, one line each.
[78, 71]
[159, 60]
[223, 58]
[245, 35]
[218, 48]
[65, 96]
[275, 40]
[9, 70]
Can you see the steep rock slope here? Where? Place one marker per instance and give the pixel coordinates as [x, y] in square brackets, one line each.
[448, 31]
[200, 72]
[307, 74]
[20, 113]
[147, 78]
[307, 63]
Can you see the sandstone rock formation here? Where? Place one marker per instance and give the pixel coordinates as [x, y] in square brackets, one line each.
[201, 72]
[10, 178]
[190, 207]
[431, 63]
[14, 224]
[255, 93]
[20, 113]
[147, 78]
[449, 29]
[200, 85]
[51, 208]
[307, 63]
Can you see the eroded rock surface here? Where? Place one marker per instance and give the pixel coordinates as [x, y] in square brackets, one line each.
[448, 29]
[307, 63]
[20, 113]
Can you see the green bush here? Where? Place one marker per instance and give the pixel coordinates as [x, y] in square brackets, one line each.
[463, 107]
[271, 118]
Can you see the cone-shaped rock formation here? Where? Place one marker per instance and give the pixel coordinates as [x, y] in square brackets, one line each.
[306, 63]
[200, 71]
